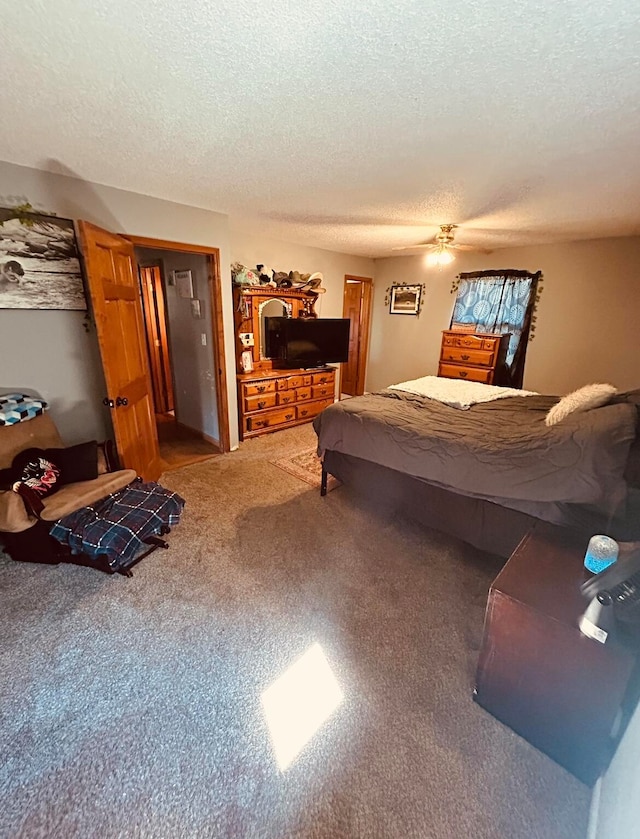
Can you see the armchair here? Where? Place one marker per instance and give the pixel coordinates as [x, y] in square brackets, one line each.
[25, 520]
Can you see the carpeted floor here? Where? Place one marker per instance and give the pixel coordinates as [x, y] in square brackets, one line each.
[132, 707]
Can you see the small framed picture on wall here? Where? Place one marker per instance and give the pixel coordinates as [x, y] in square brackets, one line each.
[184, 283]
[405, 299]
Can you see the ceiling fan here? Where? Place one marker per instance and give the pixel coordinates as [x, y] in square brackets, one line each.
[441, 247]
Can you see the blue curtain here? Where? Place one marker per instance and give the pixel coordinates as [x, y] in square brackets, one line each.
[499, 302]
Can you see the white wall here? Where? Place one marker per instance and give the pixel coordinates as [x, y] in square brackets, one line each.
[251, 249]
[192, 364]
[587, 319]
[48, 351]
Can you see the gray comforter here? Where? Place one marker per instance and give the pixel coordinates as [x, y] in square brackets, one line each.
[498, 449]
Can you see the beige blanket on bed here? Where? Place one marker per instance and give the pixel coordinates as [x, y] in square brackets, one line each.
[456, 393]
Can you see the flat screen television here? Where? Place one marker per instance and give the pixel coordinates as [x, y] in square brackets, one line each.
[307, 342]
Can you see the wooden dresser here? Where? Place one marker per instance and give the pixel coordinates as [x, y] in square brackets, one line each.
[476, 357]
[273, 399]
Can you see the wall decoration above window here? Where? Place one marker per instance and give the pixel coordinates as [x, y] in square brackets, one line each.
[500, 301]
[39, 262]
[404, 299]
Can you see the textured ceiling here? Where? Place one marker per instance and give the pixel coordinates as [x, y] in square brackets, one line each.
[353, 125]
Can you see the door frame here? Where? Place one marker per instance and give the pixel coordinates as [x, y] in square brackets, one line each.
[215, 295]
[365, 326]
[147, 307]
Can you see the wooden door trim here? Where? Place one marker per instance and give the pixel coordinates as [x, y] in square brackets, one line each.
[166, 245]
[154, 312]
[365, 324]
[217, 323]
[215, 299]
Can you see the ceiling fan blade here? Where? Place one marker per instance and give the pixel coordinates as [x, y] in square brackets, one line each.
[414, 247]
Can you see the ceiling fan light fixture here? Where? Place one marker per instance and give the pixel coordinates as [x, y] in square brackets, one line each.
[440, 256]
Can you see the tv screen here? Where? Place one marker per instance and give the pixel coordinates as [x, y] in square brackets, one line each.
[313, 342]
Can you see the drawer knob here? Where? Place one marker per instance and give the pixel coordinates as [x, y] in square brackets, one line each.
[462, 373]
[304, 412]
[262, 403]
[288, 416]
[465, 357]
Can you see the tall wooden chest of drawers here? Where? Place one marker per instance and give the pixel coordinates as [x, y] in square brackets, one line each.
[273, 399]
[476, 357]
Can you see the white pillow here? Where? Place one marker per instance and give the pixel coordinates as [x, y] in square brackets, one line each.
[583, 399]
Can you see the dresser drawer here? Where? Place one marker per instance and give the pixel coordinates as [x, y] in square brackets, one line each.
[461, 355]
[322, 378]
[286, 397]
[312, 409]
[470, 374]
[472, 342]
[256, 388]
[317, 391]
[257, 403]
[295, 381]
[271, 418]
[303, 393]
[489, 343]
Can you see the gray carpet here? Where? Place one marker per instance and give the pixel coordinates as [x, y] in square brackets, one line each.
[131, 707]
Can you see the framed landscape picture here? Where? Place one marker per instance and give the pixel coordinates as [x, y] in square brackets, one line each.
[405, 299]
[39, 262]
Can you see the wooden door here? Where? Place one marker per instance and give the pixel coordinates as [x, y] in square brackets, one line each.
[356, 307]
[113, 285]
[155, 321]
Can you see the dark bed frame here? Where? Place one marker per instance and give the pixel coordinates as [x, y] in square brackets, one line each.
[483, 524]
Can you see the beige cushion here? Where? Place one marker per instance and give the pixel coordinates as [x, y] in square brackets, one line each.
[37, 433]
[14, 517]
[13, 514]
[84, 493]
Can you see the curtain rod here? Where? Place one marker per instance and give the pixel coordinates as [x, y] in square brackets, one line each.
[502, 272]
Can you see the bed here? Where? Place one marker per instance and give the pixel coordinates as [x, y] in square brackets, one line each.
[488, 473]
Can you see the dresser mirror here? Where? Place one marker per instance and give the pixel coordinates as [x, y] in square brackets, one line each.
[271, 308]
[252, 305]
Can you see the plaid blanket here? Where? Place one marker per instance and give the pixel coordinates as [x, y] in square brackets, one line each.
[18, 407]
[117, 526]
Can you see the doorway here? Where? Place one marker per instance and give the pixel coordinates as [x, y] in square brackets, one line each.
[356, 307]
[180, 328]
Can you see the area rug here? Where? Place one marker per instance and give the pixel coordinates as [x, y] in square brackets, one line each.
[306, 466]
